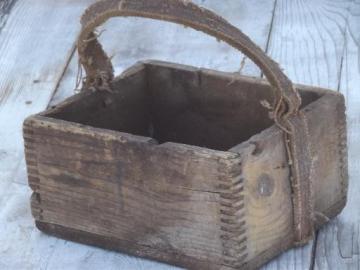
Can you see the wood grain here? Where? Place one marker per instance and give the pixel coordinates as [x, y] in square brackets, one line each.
[329, 19]
[308, 41]
[36, 38]
[26, 89]
[26, 26]
[264, 222]
[254, 20]
[5, 9]
[338, 244]
[180, 213]
[201, 207]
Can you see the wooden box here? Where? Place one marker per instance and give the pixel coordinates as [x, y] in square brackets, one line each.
[184, 165]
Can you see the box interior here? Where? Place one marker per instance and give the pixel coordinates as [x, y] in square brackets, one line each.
[173, 103]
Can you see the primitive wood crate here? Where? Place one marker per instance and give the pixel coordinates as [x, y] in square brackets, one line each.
[183, 165]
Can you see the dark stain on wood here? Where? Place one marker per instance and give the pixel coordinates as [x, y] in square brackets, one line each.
[6, 92]
[5, 8]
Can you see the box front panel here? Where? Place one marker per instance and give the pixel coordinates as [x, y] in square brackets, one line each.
[165, 197]
[327, 126]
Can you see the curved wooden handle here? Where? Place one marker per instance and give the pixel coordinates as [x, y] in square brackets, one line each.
[99, 69]
[285, 106]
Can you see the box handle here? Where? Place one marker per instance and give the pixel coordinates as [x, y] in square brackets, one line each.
[284, 110]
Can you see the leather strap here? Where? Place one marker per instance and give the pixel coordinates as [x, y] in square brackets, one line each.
[286, 104]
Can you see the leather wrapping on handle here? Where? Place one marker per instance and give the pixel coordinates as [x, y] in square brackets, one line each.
[286, 103]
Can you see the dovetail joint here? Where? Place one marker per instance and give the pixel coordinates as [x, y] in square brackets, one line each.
[31, 157]
[232, 216]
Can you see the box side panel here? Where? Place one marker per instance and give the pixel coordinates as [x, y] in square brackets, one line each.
[267, 192]
[196, 107]
[162, 197]
[267, 196]
[209, 108]
[327, 126]
[124, 109]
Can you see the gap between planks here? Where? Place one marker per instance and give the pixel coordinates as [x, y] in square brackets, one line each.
[63, 73]
[270, 32]
[5, 9]
[315, 243]
[338, 244]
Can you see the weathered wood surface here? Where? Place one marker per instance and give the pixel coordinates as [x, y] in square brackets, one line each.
[316, 25]
[338, 243]
[36, 38]
[171, 207]
[268, 230]
[308, 41]
[46, 252]
[262, 224]
[5, 9]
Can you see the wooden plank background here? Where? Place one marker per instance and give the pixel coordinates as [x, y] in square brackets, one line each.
[317, 42]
